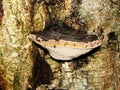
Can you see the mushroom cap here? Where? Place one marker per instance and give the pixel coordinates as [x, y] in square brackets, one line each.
[63, 43]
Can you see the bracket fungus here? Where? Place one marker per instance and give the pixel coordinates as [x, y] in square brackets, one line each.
[63, 43]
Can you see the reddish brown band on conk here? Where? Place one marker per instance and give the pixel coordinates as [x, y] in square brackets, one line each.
[63, 43]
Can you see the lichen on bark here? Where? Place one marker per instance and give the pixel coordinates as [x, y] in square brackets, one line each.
[14, 44]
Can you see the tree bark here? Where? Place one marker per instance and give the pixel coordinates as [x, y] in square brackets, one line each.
[24, 66]
[15, 62]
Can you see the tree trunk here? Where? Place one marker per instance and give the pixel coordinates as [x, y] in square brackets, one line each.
[15, 62]
[24, 66]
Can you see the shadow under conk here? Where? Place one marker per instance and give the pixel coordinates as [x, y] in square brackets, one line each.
[41, 71]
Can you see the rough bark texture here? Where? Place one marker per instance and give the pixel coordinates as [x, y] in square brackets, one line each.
[25, 65]
[15, 62]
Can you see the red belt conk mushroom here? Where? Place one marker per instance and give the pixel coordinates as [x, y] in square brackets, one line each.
[63, 43]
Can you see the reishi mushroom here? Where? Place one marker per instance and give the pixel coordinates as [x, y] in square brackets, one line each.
[63, 43]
